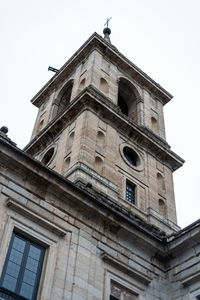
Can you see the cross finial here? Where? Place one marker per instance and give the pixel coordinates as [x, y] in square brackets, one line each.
[107, 20]
[107, 31]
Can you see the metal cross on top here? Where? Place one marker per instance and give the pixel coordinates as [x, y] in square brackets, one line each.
[107, 20]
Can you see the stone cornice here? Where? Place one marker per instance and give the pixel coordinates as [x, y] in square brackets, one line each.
[92, 99]
[117, 215]
[14, 205]
[132, 271]
[81, 195]
[111, 52]
[186, 236]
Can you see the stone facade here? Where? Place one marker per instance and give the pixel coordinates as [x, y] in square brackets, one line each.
[82, 116]
[100, 128]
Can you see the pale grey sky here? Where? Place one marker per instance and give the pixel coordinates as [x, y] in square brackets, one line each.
[160, 36]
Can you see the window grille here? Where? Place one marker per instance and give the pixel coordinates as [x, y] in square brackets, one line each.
[130, 193]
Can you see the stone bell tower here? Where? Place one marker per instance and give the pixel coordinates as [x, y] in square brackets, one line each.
[100, 124]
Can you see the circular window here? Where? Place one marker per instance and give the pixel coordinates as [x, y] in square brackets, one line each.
[48, 156]
[131, 157]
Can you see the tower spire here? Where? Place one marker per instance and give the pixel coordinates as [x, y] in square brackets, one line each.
[107, 31]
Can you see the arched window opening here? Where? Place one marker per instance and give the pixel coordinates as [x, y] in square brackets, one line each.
[162, 207]
[48, 156]
[81, 85]
[154, 124]
[65, 97]
[160, 183]
[98, 165]
[100, 138]
[103, 85]
[127, 98]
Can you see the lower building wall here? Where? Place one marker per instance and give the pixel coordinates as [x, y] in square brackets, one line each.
[86, 257]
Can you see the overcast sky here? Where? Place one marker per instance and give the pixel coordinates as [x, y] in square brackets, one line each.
[160, 36]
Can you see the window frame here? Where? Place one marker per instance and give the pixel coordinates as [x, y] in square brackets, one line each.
[123, 280]
[19, 282]
[123, 288]
[45, 236]
[51, 147]
[140, 162]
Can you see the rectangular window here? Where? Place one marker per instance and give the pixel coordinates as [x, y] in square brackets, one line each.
[119, 292]
[114, 298]
[130, 192]
[22, 269]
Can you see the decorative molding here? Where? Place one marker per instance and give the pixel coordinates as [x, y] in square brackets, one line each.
[189, 280]
[35, 217]
[129, 270]
[140, 166]
[166, 222]
[79, 166]
[92, 99]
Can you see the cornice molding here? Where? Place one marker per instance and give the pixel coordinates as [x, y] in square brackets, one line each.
[96, 42]
[12, 204]
[92, 99]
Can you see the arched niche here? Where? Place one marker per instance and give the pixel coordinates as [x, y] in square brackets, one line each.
[104, 85]
[162, 207]
[98, 164]
[63, 98]
[71, 139]
[67, 162]
[100, 139]
[154, 124]
[40, 126]
[160, 183]
[127, 98]
[81, 85]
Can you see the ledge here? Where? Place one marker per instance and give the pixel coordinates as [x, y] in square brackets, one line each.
[191, 279]
[129, 270]
[170, 225]
[85, 101]
[33, 216]
[79, 166]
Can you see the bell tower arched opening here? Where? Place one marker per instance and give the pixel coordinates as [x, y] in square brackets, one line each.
[127, 98]
[65, 96]
[63, 99]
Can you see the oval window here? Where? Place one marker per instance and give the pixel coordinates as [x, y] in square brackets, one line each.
[131, 156]
[48, 156]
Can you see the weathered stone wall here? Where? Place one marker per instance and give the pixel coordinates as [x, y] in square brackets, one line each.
[88, 245]
[82, 248]
[92, 70]
[98, 144]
